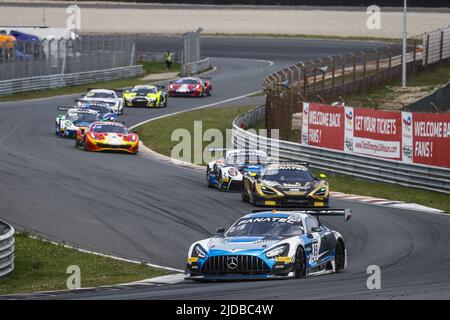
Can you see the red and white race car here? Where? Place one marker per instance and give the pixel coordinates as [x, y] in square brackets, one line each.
[190, 87]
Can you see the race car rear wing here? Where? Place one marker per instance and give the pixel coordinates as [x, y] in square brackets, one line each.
[318, 212]
[63, 108]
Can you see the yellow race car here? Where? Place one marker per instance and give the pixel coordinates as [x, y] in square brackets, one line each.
[286, 185]
[145, 96]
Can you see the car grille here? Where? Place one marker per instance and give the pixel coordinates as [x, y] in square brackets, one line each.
[183, 94]
[140, 103]
[105, 145]
[239, 264]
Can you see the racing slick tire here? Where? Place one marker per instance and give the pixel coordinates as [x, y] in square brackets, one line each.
[339, 258]
[300, 263]
[252, 197]
[243, 197]
[77, 144]
[208, 180]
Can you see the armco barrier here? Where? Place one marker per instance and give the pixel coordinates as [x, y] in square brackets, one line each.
[193, 68]
[61, 80]
[6, 249]
[418, 176]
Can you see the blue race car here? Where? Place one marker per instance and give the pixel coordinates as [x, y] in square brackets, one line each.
[227, 173]
[105, 112]
[270, 245]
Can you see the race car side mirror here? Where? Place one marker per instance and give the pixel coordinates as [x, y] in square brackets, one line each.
[322, 175]
[220, 231]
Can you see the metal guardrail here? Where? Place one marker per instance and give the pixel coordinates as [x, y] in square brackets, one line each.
[6, 249]
[61, 80]
[190, 69]
[157, 56]
[410, 175]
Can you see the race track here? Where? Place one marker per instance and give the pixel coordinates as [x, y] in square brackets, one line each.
[144, 209]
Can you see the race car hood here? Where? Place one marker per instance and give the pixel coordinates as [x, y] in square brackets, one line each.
[183, 87]
[134, 95]
[291, 187]
[239, 244]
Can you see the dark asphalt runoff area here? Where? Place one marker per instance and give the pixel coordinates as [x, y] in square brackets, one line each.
[149, 210]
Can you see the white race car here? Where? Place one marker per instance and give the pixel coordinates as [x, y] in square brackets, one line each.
[111, 97]
[66, 125]
[227, 173]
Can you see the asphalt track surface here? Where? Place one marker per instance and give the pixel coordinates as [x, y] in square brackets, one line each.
[143, 209]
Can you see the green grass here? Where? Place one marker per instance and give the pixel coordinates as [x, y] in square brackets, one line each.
[41, 266]
[156, 135]
[346, 184]
[159, 67]
[149, 67]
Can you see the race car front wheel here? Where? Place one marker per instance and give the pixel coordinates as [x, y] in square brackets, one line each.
[300, 263]
[339, 258]
[208, 178]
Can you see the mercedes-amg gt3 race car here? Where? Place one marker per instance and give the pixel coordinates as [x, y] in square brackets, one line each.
[68, 124]
[270, 244]
[285, 185]
[190, 87]
[111, 97]
[145, 96]
[227, 173]
[107, 136]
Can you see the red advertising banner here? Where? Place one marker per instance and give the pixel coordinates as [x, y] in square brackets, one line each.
[325, 126]
[377, 133]
[420, 138]
[431, 139]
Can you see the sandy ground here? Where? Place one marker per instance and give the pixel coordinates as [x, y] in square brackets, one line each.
[164, 20]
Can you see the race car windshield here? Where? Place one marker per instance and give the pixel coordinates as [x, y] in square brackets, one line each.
[187, 81]
[87, 117]
[242, 159]
[110, 128]
[144, 91]
[287, 175]
[265, 227]
[101, 95]
[99, 108]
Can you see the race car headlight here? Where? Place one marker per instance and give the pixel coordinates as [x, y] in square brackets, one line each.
[321, 192]
[267, 190]
[232, 172]
[198, 252]
[277, 251]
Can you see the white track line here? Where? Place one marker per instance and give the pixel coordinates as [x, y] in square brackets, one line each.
[107, 256]
[197, 108]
